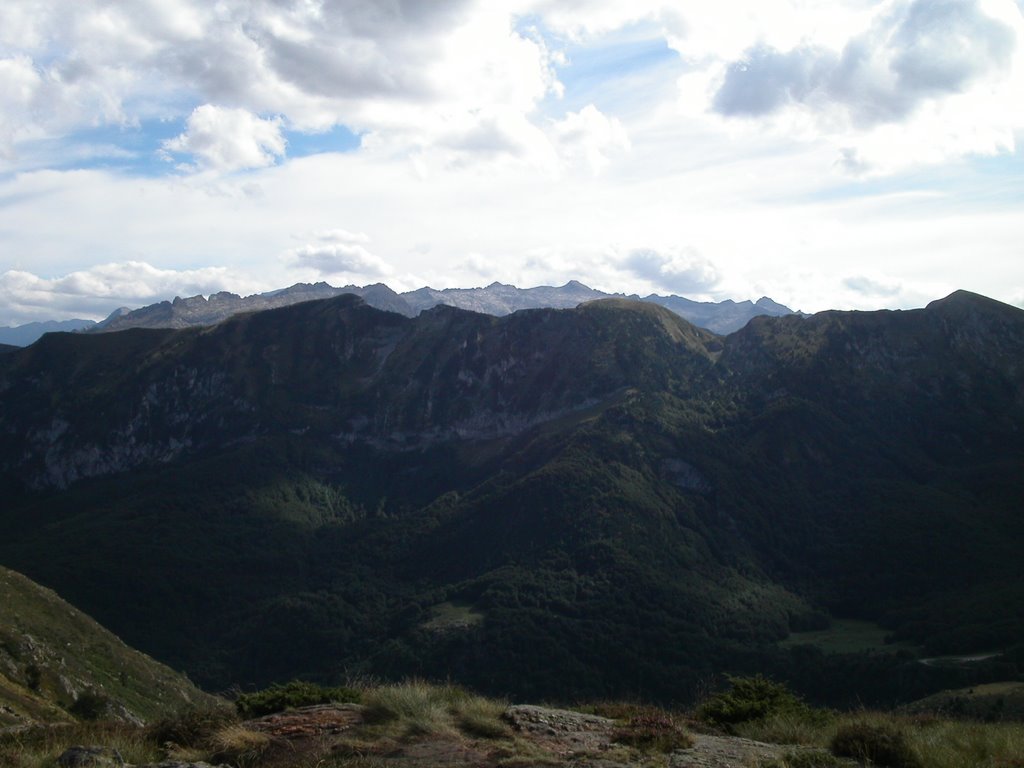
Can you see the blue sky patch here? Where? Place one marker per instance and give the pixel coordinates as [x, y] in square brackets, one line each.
[338, 139]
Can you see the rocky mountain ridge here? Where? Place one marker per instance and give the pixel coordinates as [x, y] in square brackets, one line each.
[495, 299]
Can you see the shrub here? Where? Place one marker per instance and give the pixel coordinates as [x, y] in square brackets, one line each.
[90, 705]
[880, 744]
[192, 727]
[753, 698]
[297, 693]
[653, 733]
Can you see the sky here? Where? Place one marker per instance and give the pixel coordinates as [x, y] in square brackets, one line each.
[850, 154]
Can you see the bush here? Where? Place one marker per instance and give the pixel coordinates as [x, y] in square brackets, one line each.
[653, 733]
[297, 693]
[880, 744]
[192, 727]
[751, 699]
[90, 705]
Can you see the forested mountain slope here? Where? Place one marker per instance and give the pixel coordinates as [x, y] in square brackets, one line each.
[556, 502]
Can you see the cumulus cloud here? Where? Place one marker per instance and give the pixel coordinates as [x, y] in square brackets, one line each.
[496, 133]
[97, 291]
[403, 68]
[339, 252]
[924, 49]
[681, 270]
[766, 80]
[591, 137]
[229, 139]
[21, 83]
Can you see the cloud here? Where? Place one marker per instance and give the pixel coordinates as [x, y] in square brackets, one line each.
[925, 49]
[229, 139]
[873, 288]
[591, 137]
[766, 80]
[95, 292]
[680, 270]
[21, 83]
[405, 69]
[338, 252]
[496, 133]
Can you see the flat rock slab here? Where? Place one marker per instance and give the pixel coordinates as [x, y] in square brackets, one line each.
[723, 752]
[309, 722]
[561, 731]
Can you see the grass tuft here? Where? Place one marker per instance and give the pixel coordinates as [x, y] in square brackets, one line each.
[238, 745]
[192, 728]
[882, 744]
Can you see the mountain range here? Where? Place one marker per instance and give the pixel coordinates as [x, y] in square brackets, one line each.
[601, 500]
[495, 299]
[23, 335]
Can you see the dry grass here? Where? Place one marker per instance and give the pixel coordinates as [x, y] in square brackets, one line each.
[411, 709]
[787, 728]
[39, 747]
[416, 708]
[931, 741]
[238, 745]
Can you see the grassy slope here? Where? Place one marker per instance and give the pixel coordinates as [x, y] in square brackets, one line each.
[50, 653]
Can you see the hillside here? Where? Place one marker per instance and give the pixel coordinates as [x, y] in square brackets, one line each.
[597, 501]
[57, 664]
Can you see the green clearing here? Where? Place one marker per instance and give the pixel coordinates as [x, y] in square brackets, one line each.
[448, 617]
[846, 636]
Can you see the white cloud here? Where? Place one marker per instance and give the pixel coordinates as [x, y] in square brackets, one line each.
[921, 50]
[873, 288]
[95, 292]
[229, 139]
[925, 81]
[590, 136]
[399, 70]
[679, 270]
[339, 252]
[20, 84]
